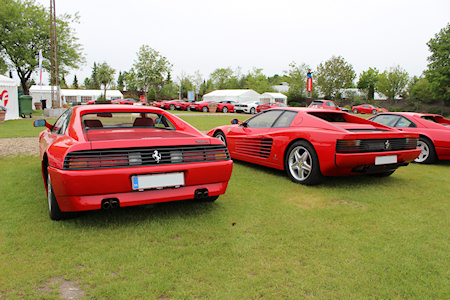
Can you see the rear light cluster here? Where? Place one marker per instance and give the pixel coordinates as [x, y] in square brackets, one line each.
[135, 157]
[375, 145]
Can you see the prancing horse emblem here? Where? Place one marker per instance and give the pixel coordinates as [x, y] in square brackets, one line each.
[387, 145]
[156, 156]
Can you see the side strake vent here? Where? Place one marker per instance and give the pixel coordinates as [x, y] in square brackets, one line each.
[254, 147]
[135, 157]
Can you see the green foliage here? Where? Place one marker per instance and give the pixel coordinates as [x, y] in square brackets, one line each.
[368, 81]
[105, 76]
[120, 82]
[393, 83]
[75, 83]
[297, 81]
[438, 73]
[220, 77]
[151, 95]
[333, 75]
[150, 69]
[258, 82]
[169, 91]
[419, 92]
[62, 82]
[24, 30]
[185, 84]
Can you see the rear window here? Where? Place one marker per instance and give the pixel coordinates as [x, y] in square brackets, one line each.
[118, 120]
[329, 117]
[316, 103]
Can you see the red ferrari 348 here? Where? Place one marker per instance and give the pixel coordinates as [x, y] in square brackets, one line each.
[312, 143]
[107, 156]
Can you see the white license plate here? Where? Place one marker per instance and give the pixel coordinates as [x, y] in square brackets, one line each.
[384, 160]
[157, 181]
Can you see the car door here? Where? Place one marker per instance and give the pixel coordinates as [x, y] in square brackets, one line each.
[251, 140]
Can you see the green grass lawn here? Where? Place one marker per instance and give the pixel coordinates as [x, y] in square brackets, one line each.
[351, 237]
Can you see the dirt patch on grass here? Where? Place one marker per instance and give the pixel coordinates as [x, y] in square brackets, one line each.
[18, 146]
[67, 289]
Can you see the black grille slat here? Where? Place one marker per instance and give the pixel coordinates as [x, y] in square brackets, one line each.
[375, 145]
[134, 157]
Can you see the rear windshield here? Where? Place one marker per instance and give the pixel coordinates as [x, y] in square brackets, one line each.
[329, 117]
[117, 120]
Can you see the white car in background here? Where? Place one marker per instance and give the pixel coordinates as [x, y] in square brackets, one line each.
[247, 107]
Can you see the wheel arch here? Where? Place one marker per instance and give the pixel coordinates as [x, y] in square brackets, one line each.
[285, 152]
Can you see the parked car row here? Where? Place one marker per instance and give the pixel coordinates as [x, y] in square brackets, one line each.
[127, 155]
[224, 106]
[357, 109]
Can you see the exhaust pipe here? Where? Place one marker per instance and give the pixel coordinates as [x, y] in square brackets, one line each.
[110, 203]
[201, 194]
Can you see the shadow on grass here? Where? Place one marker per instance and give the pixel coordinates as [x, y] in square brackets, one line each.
[159, 212]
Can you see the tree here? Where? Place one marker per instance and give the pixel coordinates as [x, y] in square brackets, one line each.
[438, 73]
[419, 91]
[297, 82]
[150, 68]
[25, 29]
[62, 82]
[185, 84]
[219, 78]
[151, 95]
[333, 75]
[105, 76]
[393, 83]
[257, 81]
[120, 82]
[368, 82]
[75, 83]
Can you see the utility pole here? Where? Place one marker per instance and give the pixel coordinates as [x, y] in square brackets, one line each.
[54, 81]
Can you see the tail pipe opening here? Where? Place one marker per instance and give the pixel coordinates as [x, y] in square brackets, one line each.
[110, 203]
[201, 194]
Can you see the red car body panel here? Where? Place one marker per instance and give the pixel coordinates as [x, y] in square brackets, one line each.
[245, 143]
[368, 109]
[324, 104]
[85, 189]
[202, 106]
[434, 127]
[172, 105]
[266, 106]
[228, 104]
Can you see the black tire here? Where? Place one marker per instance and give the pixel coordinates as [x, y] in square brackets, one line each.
[188, 108]
[428, 154]
[208, 199]
[355, 111]
[302, 164]
[224, 109]
[204, 109]
[221, 136]
[253, 110]
[171, 107]
[374, 112]
[54, 211]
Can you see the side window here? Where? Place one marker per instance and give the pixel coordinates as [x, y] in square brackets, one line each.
[403, 122]
[285, 119]
[388, 120]
[264, 120]
[61, 124]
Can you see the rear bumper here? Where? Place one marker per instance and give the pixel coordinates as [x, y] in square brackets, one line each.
[86, 189]
[351, 163]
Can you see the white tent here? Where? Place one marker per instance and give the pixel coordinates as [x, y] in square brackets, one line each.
[9, 97]
[70, 96]
[273, 97]
[235, 95]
